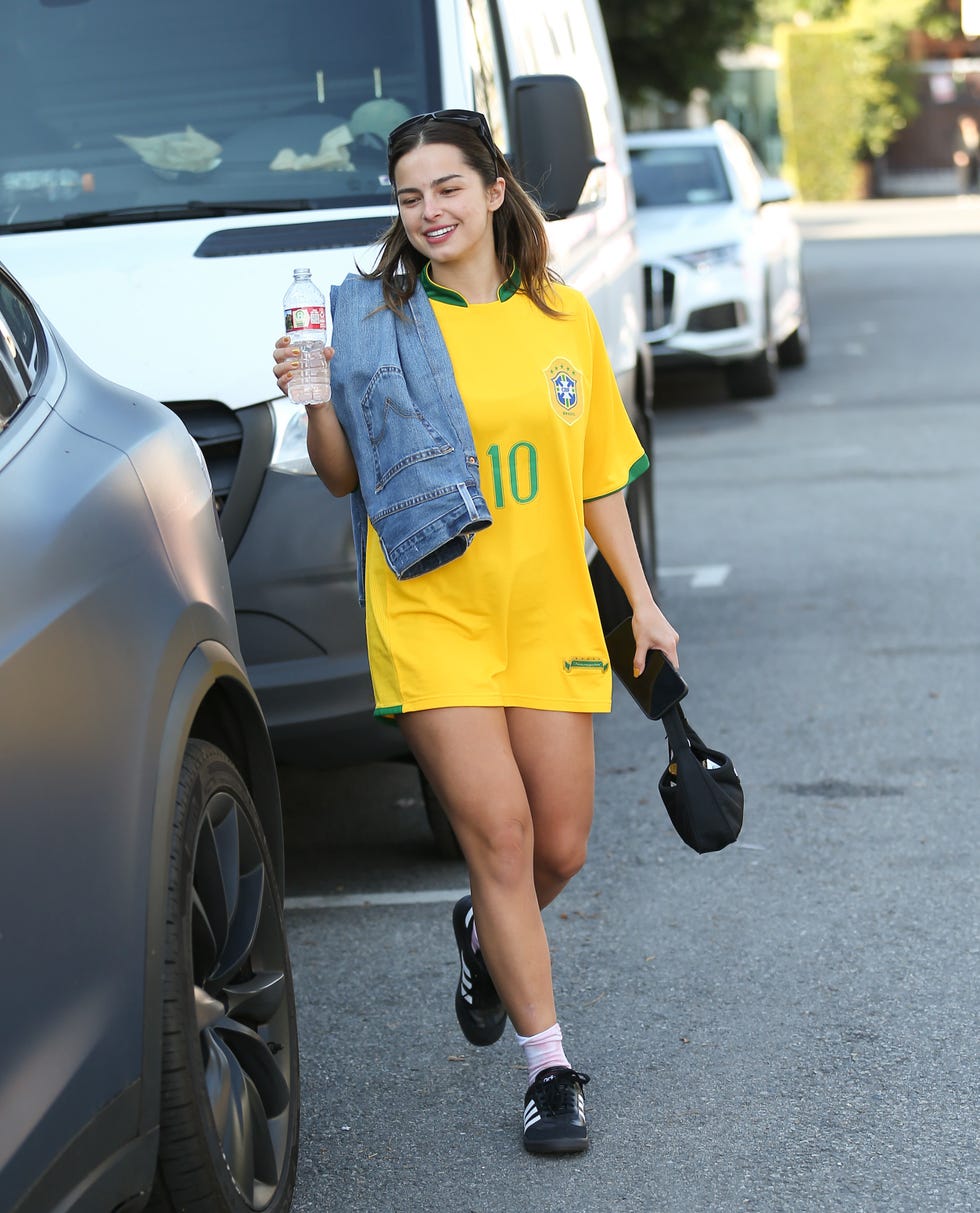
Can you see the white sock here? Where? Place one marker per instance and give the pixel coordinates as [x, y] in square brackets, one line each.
[542, 1051]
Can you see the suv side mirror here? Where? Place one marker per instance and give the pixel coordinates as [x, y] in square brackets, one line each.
[775, 189]
[552, 150]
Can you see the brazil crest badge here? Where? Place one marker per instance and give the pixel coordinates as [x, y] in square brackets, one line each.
[565, 390]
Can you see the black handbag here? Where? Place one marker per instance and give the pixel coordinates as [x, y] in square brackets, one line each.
[700, 788]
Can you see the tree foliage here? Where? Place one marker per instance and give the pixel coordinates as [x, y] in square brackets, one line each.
[883, 82]
[671, 46]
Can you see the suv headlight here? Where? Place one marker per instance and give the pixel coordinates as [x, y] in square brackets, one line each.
[711, 258]
[289, 442]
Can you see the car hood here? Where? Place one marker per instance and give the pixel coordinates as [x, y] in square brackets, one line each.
[136, 304]
[665, 231]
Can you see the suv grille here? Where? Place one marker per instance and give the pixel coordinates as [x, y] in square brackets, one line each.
[658, 297]
[218, 432]
[714, 319]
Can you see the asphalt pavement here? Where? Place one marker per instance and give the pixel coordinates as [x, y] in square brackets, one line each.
[789, 1025]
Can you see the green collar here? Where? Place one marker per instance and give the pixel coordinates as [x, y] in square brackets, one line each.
[507, 289]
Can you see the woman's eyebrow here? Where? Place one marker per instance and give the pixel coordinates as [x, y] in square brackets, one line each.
[414, 189]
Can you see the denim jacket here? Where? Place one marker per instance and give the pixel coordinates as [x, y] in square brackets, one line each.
[395, 395]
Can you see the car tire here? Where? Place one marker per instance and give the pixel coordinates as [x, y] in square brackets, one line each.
[755, 377]
[229, 1115]
[443, 834]
[796, 348]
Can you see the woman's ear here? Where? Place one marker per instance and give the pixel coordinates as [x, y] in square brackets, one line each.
[495, 194]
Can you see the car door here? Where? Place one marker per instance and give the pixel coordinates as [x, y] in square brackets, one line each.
[71, 938]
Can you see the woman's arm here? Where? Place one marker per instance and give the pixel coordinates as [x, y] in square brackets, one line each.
[608, 522]
[326, 441]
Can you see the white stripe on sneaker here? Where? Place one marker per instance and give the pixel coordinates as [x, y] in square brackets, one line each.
[465, 980]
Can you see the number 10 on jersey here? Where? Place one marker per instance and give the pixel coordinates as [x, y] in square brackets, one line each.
[521, 472]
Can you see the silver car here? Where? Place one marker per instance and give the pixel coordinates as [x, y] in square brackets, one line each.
[148, 1023]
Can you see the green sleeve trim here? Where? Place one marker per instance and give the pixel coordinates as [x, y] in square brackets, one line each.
[636, 471]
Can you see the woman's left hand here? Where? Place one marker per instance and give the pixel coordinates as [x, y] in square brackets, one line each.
[651, 630]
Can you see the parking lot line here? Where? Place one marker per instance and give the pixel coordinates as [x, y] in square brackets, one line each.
[702, 576]
[339, 901]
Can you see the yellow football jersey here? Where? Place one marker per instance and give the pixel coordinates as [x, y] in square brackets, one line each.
[513, 621]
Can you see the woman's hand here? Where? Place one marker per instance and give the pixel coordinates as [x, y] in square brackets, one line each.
[608, 522]
[651, 630]
[326, 441]
[286, 360]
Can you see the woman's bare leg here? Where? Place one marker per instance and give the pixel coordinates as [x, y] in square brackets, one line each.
[555, 755]
[517, 786]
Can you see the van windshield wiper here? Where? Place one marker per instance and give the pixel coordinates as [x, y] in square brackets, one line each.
[171, 210]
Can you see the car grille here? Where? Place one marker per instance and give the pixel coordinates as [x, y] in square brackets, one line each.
[658, 296]
[218, 432]
[714, 319]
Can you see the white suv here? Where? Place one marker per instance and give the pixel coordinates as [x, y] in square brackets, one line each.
[721, 253]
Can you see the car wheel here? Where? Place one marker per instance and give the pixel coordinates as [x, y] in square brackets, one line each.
[758, 376]
[229, 1117]
[794, 350]
[442, 832]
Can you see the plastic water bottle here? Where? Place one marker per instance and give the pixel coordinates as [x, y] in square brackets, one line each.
[306, 319]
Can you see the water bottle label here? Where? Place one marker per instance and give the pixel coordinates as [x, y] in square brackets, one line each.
[306, 318]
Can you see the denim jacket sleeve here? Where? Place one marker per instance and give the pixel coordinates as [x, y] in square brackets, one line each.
[396, 397]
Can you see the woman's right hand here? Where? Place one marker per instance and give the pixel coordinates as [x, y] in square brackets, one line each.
[286, 360]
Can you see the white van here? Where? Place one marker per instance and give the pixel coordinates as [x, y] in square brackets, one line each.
[163, 168]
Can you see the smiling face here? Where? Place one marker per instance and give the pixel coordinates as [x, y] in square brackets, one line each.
[446, 207]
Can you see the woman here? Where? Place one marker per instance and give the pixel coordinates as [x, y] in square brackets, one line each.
[493, 660]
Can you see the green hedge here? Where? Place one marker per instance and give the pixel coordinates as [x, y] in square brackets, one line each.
[819, 109]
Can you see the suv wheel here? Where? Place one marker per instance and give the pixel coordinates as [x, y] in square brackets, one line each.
[795, 349]
[229, 1116]
[758, 376]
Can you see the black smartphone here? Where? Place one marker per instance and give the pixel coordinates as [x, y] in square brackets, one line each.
[659, 687]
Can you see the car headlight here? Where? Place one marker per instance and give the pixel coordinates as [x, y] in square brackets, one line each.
[711, 258]
[289, 443]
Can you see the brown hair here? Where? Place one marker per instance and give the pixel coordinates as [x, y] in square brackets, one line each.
[518, 224]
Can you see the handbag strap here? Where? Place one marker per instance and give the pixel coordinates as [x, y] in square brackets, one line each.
[677, 729]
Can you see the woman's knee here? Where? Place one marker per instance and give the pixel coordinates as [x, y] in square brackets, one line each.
[559, 859]
[501, 849]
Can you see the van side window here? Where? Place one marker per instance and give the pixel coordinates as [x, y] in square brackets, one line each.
[489, 81]
[18, 353]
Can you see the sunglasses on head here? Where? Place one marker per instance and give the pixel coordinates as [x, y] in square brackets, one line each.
[471, 119]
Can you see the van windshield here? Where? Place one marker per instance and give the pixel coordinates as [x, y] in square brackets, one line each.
[109, 107]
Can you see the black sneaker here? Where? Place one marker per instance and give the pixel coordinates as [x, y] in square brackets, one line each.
[554, 1113]
[479, 1010]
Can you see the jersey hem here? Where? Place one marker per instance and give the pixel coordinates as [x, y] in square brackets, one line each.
[512, 701]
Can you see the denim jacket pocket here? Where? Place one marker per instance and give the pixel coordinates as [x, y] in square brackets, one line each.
[399, 434]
